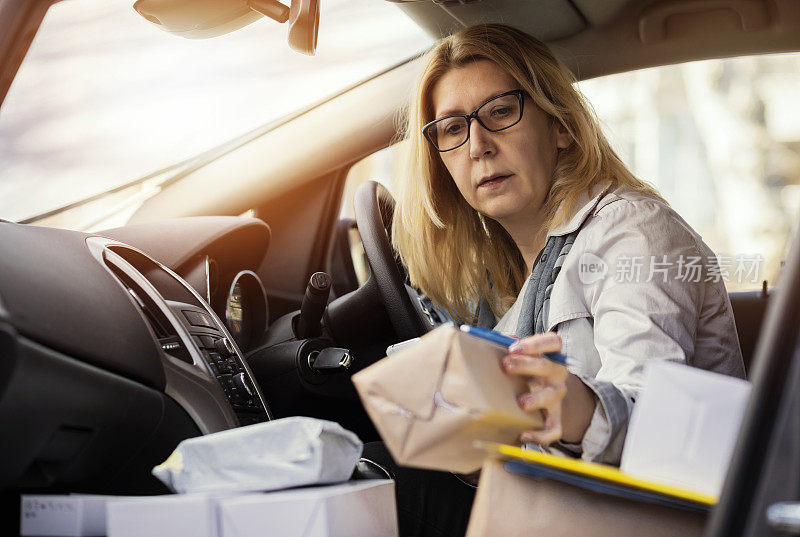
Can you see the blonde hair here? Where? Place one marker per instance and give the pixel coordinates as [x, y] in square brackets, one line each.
[454, 254]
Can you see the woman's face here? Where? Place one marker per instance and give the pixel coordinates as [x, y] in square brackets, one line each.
[504, 175]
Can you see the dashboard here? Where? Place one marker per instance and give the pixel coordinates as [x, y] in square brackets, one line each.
[117, 345]
[217, 257]
[200, 357]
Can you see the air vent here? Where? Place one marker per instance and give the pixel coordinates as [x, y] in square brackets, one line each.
[150, 315]
[162, 329]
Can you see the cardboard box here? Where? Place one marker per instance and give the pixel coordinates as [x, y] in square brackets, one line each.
[684, 427]
[74, 515]
[350, 509]
[430, 401]
[172, 515]
[355, 509]
[513, 505]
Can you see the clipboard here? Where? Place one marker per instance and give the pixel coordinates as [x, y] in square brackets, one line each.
[597, 477]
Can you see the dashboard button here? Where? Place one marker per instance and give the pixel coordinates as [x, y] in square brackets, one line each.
[241, 384]
[194, 318]
[224, 346]
[217, 360]
[197, 318]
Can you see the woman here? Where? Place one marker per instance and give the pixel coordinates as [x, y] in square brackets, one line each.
[515, 206]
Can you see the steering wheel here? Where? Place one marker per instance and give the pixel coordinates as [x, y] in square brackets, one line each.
[374, 208]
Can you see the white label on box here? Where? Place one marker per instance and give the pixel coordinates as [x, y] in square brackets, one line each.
[63, 515]
[49, 516]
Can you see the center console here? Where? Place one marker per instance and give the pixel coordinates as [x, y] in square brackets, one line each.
[225, 364]
[204, 369]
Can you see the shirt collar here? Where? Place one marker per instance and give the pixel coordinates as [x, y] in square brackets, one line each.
[583, 207]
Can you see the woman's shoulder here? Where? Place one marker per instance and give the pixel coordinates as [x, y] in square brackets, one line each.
[624, 198]
[623, 210]
[626, 204]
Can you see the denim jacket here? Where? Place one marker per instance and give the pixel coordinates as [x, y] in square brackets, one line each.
[638, 284]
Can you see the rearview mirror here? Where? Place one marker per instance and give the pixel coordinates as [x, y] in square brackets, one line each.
[201, 19]
[304, 26]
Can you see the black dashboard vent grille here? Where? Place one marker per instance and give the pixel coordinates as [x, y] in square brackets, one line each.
[165, 333]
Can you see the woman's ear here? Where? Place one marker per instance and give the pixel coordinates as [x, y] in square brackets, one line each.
[563, 137]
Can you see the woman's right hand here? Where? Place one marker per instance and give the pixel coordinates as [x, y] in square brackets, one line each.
[547, 383]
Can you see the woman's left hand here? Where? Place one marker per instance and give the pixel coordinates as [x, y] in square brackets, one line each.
[547, 383]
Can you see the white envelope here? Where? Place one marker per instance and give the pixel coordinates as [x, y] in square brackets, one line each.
[684, 427]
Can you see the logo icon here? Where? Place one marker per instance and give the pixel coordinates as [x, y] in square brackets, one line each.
[591, 269]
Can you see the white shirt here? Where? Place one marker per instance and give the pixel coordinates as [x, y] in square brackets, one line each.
[638, 284]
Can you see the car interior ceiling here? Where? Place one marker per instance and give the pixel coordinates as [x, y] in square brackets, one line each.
[632, 34]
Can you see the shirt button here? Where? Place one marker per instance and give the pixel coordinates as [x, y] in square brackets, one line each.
[544, 257]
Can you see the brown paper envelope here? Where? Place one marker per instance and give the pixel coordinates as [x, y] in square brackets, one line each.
[475, 379]
[432, 400]
[392, 423]
[410, 375]
[475, 383]
[454, 451]
[436, 444]
[407, 377]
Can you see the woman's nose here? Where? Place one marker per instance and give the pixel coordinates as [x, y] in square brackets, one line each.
[480, 142]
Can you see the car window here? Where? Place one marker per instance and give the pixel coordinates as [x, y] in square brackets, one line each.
[382, 166]
[720, 139]
[104, 97]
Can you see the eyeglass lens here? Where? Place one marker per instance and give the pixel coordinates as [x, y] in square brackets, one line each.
[496, 114]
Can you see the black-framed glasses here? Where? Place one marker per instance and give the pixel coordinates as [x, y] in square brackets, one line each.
[495, 114]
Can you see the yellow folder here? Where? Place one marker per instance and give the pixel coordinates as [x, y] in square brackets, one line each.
[601, 472]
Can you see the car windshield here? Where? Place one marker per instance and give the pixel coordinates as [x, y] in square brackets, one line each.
[104, 97]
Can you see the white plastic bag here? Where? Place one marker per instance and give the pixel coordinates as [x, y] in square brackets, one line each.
[284, 453]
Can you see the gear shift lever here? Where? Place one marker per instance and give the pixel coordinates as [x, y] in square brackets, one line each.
[307, 324]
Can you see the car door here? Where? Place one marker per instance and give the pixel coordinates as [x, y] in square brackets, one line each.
[765, 470]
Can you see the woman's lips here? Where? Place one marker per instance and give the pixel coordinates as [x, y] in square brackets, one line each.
[494, 181]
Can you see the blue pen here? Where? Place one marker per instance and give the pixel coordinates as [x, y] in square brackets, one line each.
[506, 341]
